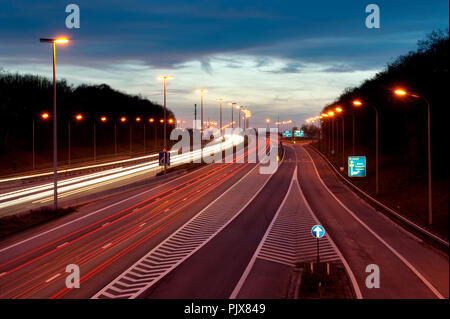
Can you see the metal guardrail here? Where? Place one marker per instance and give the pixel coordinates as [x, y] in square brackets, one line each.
[417, 227]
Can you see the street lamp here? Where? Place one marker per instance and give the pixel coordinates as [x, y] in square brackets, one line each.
[44, 116]
[201, 91]
[122, 119]
[358, 103]
[55, 132]
[403, 93]
[165, 78]
[78, 117]
[232, 111]
[220, 121]
[239, 107]
[268, 123]
[152, 120]
[103, 119]
[339, 110]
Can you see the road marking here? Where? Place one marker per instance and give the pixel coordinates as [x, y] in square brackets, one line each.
[106, 224]
[149, 269]
[2, 274]
[141, 225]
[244, 276]
[97, 211]
[395, 252]
[62, 245]
[107, 245]
[51, 278]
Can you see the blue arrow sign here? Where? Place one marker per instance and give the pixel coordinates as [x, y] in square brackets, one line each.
[317, 231]
[164, 158]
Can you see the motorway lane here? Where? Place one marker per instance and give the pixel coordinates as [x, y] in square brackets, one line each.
[111, 239]
[74, 189]
[360, 247]
[215, 269]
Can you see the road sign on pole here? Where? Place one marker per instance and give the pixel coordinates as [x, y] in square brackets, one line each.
[164, 158]
[298, 133]
[357, 166]
[287, 133]
[318, 232]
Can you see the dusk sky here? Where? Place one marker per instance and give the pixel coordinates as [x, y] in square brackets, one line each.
[286, 57]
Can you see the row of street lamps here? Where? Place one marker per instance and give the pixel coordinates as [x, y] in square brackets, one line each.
[103, 119]
[337, 112]
[55, 41]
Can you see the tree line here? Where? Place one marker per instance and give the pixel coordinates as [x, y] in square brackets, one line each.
[23, 98]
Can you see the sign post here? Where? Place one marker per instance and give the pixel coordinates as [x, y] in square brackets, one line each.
[164, 158]
[357, 166]
[318, 232]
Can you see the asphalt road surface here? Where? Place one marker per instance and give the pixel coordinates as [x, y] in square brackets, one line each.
[109, 237]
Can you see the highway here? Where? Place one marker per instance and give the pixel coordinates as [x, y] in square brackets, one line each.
[221, 231]
[105, 176]
[106, 235]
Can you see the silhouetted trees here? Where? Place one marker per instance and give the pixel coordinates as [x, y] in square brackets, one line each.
[403, 120]
[24, 97]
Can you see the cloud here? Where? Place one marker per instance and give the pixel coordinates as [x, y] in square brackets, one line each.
[206, 66]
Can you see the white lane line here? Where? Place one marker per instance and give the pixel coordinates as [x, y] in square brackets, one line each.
[247, 270]
[94, 212]
[107, 245]
[53, 277]
[395, 252]
[341, 256]
[130, 269]
[62, 245]
[2, 274]
[106, 224]
[141, 225]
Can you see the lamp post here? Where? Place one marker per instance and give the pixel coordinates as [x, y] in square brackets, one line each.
[339, 110]
[402, 93]
[78, 117]
[239, 114]
[165, 78]
[55, 132]
[232, 111]
[358, 103]
[43, 116]
[220, 120]
[201, 91]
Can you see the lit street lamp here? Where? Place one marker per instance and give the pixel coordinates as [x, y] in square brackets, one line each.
[232, 111]
[201, 91]
[358, 103]
[220, 121]
[165, 78]
[43, 116]
[402, 93]
[78, 117]
[55, 132]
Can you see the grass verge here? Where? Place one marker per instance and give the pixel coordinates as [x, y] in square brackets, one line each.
[18, 222]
